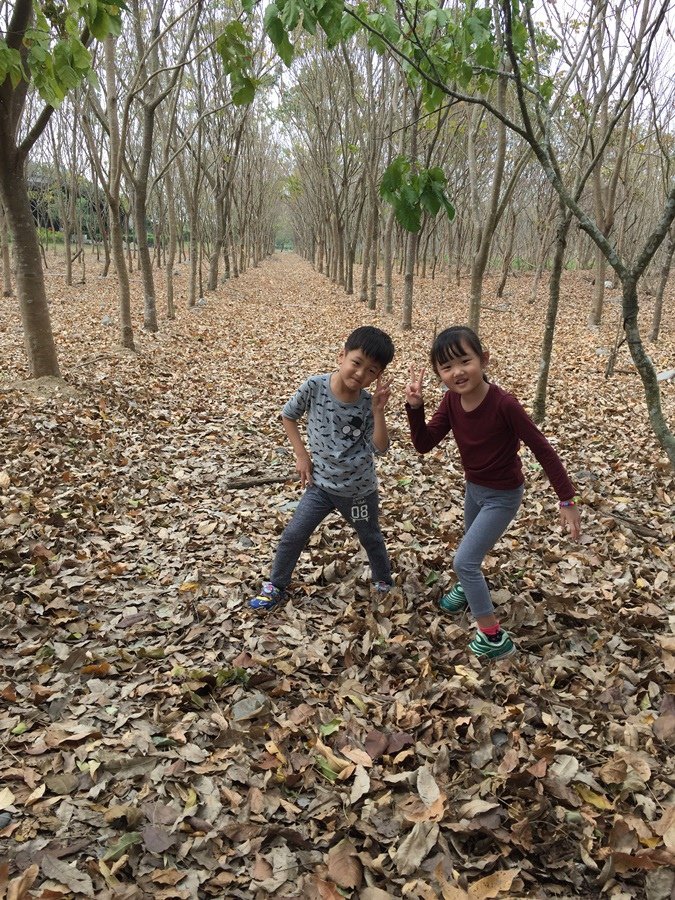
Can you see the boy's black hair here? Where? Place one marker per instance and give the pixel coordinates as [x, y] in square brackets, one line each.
[372, 341]
[453, 342]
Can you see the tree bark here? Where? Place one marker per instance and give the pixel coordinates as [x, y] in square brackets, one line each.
[30, 283]
[564, 222]
[6, 255]
[113, 195]
[663, 280]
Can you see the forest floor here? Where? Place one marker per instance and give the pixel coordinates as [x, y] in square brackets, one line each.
[159, 739]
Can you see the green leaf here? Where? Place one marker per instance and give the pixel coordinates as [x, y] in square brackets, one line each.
[81, 56]
[546, 88]
[10, 64]
[408, 216]
[330, 727]
[449, 208]
[120, 848]
[329, 16]
[289, 14]
[324, 767]
[393, 176]
[101, 25]
[277, 34]
[243, 91]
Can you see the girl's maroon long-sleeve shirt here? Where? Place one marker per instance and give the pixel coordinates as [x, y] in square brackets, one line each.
[488, 439]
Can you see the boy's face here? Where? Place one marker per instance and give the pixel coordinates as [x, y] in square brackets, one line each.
[357, 370]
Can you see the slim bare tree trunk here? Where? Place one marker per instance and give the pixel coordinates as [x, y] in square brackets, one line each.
[487, 227]
[6, 257]
[564, 221]
[113, 194]
[365, 257]
[388, 263]
[372, 301]
[663, 280]
[170, 257]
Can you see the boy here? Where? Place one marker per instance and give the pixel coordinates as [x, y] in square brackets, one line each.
[345, 428]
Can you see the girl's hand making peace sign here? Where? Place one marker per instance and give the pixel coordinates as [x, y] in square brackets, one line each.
[414, 391]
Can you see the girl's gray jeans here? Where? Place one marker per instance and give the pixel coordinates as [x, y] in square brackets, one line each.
[487, 514]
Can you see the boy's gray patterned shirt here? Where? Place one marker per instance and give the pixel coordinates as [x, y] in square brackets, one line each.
[339, 436]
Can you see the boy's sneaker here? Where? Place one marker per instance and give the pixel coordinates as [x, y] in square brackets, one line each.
[454, 601]
[498, 647]
[382, 587]
[269, 597]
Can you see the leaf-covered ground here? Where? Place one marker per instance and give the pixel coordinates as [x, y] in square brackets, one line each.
[158, 739]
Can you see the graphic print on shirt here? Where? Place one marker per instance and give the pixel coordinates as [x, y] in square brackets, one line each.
[354, 427]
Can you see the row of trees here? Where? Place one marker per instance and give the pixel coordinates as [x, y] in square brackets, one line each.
[155, 118]
[519, 130]
[574, 114]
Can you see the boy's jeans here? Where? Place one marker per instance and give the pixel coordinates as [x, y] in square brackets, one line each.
[314, 506]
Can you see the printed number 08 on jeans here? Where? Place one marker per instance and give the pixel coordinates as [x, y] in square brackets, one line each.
[359, 512]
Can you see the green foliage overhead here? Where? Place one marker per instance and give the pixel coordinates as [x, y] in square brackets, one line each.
[437, 46]
[234, 47]
[53, 55]
[411, 193]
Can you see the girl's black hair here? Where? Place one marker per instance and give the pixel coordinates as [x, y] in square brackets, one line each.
[453, 342]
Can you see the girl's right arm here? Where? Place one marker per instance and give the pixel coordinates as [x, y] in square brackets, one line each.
[425, 435]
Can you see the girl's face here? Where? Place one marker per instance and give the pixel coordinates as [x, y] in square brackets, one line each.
[463, 374]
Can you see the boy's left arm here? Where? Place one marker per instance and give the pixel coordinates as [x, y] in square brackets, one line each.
[379, 399]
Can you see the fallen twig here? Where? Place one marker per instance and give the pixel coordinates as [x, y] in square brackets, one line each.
[237, 483]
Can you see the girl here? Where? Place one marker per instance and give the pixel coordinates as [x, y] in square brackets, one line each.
[488, 425]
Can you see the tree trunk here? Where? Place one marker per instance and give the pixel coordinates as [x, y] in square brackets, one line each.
[170, 257]
[123, 289]
[113, 195]
[599, 288]
[388, 263]
[564, 222]
[30, 283]
[219, 242]
[663, 280]
[645, 367]
[372, 301]
[6, 258]
[408, 279]
[488, 226]
[365, 256]
[508, 255]
[145, 260]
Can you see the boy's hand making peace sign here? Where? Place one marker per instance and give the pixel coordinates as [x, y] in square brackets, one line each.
[414, 391]
[380, 395]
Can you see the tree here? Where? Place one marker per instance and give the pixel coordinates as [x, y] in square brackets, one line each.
[44, 48]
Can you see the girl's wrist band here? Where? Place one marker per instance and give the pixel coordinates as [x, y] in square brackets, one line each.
[572, 502]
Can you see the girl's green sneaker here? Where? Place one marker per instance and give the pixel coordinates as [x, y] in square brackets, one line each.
[498, 647]
[454, 601]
